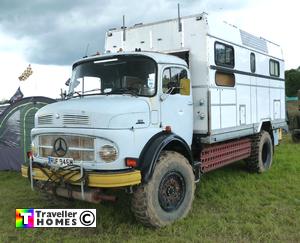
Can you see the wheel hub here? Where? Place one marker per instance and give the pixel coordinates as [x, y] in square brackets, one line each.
[171, 191]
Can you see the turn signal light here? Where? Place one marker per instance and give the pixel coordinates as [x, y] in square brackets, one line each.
[131, 162]
[168, 129]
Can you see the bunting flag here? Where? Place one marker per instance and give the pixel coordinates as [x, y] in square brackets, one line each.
[25, 75]
[17, 96]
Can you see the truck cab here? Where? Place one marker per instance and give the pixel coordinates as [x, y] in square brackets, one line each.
[115, 104]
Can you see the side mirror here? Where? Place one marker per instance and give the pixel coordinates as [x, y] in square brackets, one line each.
[67, 83]
[185, 86]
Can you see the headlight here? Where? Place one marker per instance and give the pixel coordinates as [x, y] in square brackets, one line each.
[108, 153]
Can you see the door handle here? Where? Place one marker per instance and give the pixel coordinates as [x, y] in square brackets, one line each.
[190, 103]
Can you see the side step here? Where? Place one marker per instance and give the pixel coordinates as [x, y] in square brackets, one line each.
[217, 155]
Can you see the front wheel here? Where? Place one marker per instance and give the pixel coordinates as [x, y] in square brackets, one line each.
[168, 195]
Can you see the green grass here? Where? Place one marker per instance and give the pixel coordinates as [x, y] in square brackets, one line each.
[231, 205]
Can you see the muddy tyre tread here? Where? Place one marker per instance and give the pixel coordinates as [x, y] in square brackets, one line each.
[253, 163]
[140, 206]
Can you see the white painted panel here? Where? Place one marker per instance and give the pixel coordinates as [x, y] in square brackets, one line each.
[242, 61]
[215, 96]
[154, 117]
[263, 103]
[138, 38]
[253, 111]
[276, 109]
[263, 82]
[243, 115]
[243, 98]
[275, 94]
[114, 42]
[228, 96]
[242, 79]
[196, 42]
[277, 83]
[253, 80]
[200, 94]
[215, 117]
[282, 98]
[166, 36]
[228, 116]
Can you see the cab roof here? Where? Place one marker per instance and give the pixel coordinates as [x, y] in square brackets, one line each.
[156, 56]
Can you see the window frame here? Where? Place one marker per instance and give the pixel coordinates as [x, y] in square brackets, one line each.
[252, 69]
[278, 65]
[84, 61]
[162, 76]
[170, 73]
[226, 46]
[226, 73]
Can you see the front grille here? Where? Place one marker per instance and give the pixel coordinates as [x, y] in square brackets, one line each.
[76, 120]
[79, 148]
[45, 120]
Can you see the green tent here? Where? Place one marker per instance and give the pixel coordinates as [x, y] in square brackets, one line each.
[16, 122]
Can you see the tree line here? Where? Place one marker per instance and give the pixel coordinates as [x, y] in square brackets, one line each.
[292, 82]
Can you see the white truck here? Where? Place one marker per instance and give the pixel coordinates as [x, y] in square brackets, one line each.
[167, 102]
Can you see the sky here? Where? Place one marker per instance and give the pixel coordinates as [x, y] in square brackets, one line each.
[52, 34]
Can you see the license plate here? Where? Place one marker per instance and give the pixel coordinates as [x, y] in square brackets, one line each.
[60, 161]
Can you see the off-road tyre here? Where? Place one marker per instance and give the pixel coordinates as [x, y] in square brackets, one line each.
[261, 156]
[168, 195]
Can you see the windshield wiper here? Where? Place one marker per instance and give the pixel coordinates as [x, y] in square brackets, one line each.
[92, 90]
[70, 95]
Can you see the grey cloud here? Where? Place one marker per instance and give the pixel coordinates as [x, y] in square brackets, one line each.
[57, 32]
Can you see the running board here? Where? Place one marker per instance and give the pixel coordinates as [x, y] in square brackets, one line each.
[221, 154]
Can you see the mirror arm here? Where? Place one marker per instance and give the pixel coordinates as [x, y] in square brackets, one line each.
[164, 96]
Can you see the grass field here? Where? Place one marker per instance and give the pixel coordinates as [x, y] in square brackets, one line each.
[231, 205]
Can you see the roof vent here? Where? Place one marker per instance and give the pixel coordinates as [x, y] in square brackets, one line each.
[253, 41]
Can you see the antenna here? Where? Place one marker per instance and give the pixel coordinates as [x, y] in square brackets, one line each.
[124, 33]
[179, 19]
[87, 49]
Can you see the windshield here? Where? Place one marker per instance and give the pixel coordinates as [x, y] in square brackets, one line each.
[133, 75]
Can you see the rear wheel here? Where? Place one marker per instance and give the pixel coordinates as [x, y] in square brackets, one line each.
[261, 156]
[296, 137]
[168, 195]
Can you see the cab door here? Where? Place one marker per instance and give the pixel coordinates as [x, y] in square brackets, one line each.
[176, 106]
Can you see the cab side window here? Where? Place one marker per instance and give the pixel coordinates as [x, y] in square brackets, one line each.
[166, 79]
[171, 79]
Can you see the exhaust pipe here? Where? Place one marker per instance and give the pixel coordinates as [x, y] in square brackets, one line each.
[92, 196]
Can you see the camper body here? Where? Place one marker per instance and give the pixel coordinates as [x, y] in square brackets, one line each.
[166, 103]
[252, 67]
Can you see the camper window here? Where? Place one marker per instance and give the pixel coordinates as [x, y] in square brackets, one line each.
[274, 68]
[225, 79]
[252, 63]
[224, 55]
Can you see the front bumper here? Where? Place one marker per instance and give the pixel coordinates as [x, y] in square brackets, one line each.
[95, 179]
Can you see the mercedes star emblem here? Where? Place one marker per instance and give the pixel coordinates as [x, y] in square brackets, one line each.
[60, 147]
